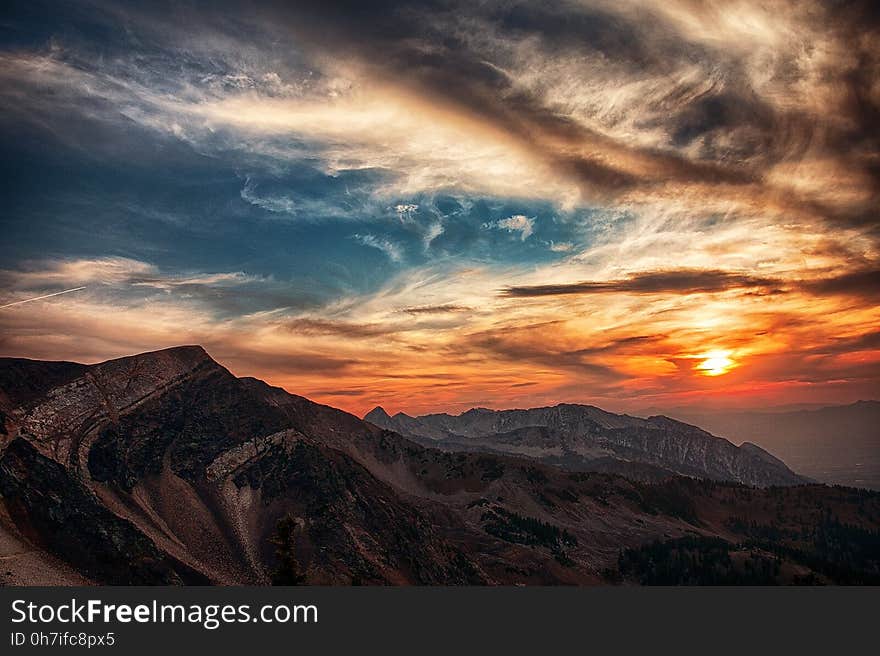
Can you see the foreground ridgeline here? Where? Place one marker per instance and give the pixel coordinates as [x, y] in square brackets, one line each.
[164, 468]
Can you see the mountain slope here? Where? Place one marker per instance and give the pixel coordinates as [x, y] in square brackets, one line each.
[836, 444]
[165, 468]
[583, 437]
[199, 462]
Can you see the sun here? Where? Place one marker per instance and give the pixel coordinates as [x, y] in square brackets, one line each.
[716, 363]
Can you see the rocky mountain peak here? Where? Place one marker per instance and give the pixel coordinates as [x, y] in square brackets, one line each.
[377, 414]
[188, 354]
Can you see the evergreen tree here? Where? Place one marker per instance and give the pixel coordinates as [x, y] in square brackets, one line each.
[288, 570]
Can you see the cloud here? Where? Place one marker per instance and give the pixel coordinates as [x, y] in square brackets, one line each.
[405, 211]
[520, 223]
[280, 362]
[105, 270]
[118, 271]
[391, 249]
[434, 230]
[435, 309]
[310, 326]
[598, 102]
[859, 283]
[619, 97]
[227, 293]
[576, 347]
[653, 282]
[338, 392]
[277, 204]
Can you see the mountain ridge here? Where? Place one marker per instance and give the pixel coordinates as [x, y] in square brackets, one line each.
[584, 434]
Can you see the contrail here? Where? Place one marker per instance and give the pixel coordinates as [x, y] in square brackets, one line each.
[37, 298]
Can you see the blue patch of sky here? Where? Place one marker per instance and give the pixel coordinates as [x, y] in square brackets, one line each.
[141, 194]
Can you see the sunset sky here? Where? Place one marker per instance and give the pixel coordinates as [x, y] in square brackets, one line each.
[438, 205]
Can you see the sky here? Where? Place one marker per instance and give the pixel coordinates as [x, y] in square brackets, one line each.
[436, 205]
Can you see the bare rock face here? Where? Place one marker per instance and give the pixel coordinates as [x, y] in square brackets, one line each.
[585, 438]
[54, 505]
[165, 468]
[57, 419]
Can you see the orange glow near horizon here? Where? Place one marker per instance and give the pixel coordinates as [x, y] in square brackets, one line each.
[622, 352]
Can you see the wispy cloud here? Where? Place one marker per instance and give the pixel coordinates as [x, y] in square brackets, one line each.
[277, 204]
[434, 230]
[112, 271]
[391, 249]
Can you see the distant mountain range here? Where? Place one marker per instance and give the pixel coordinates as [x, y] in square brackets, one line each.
[164, 468]
[835, 444]
[586, 438]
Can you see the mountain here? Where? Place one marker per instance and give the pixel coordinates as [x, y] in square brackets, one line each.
[585, 438]
[164, 468]
[835, 444]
